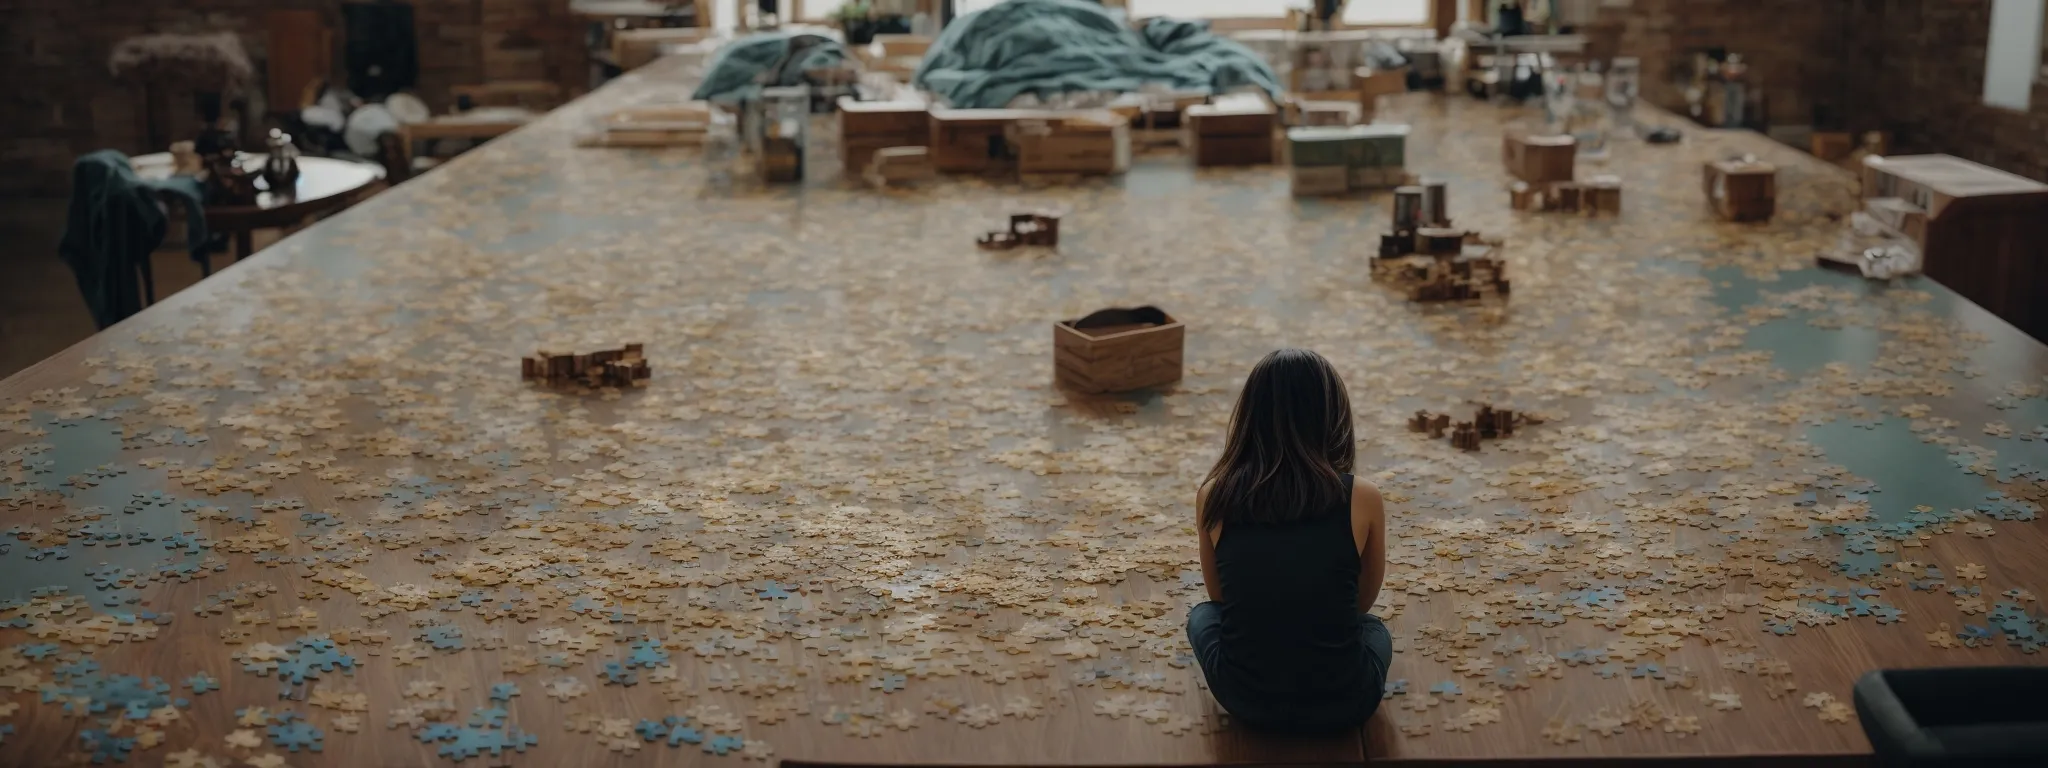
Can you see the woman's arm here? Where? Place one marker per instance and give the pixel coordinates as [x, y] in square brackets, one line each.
[1369, 526]
[1209, 580]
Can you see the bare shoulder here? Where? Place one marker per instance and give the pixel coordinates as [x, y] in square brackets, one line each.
[1365, 497]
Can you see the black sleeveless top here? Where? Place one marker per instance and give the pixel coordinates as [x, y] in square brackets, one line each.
[1290, 607]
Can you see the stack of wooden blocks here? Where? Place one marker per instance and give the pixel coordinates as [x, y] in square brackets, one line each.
[1742, 189]
[1095, 142]
[1544, 167]
[868, 126]
[1117, 350]
[1232, 130]
[1337, 160]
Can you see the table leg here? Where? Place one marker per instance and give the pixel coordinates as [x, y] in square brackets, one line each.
[243, 245]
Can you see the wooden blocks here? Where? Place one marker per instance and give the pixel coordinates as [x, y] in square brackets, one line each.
[1040, 229]
[623, 367]
[1117, 350]
[1600, 194]
[1540, 159]
[1235, 130]
[1097, 142]
[1337, 160]
[1488, 423]
[1742, 189]
[868, 126]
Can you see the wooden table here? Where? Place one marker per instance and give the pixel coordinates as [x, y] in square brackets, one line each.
[324, 186]
[850, 496]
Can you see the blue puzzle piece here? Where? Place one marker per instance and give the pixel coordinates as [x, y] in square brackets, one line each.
[724, 744]
[647, 653]
[1394, 688]
[680, 733]
[617, 674]
[504, 691]
[443, 638]
[104, 747]
[650, 730]
[466, 743]
[1447, 688]
[297, 735]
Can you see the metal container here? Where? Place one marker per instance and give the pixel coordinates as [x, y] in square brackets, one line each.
[1407, 208]
[1435, 209]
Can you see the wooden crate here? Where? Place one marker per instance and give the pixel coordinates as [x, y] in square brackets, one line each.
[1117, 350]
[1539, 159]
[1741, 190]
[1237, 130]
[866, 126]
[1097, 142]
[975, 140]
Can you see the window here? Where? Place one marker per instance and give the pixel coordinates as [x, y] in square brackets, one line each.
[1209, 9]
[1387, 13]
[2013, 57]
[1356, 13]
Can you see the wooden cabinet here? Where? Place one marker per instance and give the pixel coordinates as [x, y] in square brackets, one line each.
[1981, 231]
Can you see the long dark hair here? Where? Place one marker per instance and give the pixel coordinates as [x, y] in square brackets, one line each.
[1290, 444]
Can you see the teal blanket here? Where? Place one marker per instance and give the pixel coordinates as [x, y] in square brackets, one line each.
[740, 69]
[1048, 47]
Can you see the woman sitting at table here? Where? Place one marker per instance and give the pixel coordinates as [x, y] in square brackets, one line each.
[1293, 552]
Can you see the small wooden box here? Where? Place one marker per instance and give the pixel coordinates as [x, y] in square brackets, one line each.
[974, 140]
[879, 118]
[1540, 159]
[1096, 142]
[1741, 190]
[1602, 194]
[1236, 130]
[866, 126]
[1117, 350]
[1832, 146]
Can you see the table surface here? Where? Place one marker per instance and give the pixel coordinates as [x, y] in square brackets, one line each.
[850, 518]
[321, 180]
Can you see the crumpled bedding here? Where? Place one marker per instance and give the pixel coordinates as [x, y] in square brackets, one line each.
[738, 71]
[1043, 48]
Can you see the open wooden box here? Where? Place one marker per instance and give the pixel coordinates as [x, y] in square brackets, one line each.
[1117, 350]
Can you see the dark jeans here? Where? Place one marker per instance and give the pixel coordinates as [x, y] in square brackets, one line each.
[1205, 633]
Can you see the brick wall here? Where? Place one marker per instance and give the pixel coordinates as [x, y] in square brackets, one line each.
[1912, 67]
[1793, 48]
[1917, 69]
[60, 101]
